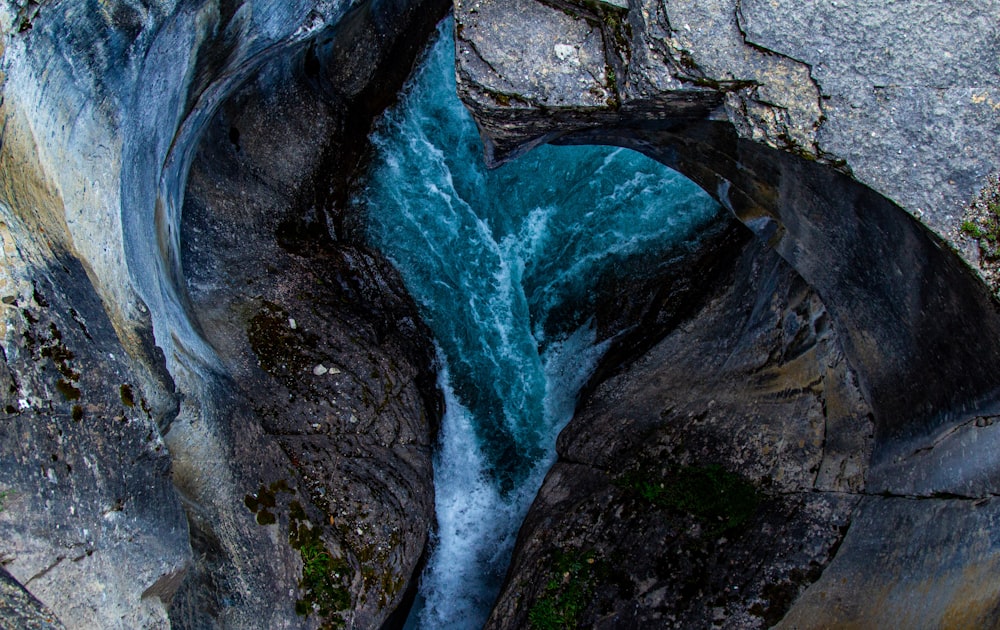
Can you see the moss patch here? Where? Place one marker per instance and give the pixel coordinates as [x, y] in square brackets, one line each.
[567, 592]
[721, 500]
[983, 223]
[325, 578]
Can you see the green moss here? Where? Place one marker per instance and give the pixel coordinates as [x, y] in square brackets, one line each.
[325, 579]
[618, 29]
[985, 224]
[318, 567]
[567, 592]
[719, 499]
[972, 229]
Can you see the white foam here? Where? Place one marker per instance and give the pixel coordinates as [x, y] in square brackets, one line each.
[473, 248]
[475, 528]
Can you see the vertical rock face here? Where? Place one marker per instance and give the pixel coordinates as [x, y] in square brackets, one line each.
[884, 92]
[91, 523]
[327, 353]
[264, 461]
[217, 408]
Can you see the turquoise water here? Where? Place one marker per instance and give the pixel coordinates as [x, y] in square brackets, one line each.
[502, 264]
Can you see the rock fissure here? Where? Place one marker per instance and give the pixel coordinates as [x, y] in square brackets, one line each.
[978, 422]
[45, 570]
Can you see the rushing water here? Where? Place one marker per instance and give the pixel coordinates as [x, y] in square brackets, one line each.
[502, 264]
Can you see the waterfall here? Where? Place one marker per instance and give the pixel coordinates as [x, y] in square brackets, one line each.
[502, 264]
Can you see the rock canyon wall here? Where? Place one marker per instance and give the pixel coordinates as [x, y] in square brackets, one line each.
[219, 406]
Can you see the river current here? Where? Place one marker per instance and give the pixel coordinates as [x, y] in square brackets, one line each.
[502, 264]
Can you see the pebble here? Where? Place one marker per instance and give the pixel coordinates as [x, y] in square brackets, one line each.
[321, 369]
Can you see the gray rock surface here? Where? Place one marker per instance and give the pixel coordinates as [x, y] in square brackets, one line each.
[325, 350]
[904, 98]
[20, 609]
[150, 477]
[85, 474]
[916, 114]
[944, 552]
[920, 342]
[755, 384]
[129, 331]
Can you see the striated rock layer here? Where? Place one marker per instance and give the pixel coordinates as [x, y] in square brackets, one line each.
[219, 417]
[757, 385]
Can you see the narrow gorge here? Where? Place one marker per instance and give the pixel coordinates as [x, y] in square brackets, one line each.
[683, 316]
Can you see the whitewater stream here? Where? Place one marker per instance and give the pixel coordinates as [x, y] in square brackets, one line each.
[501, 263]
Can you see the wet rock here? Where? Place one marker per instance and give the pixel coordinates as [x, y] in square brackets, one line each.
[337, 494]
[738, 450]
